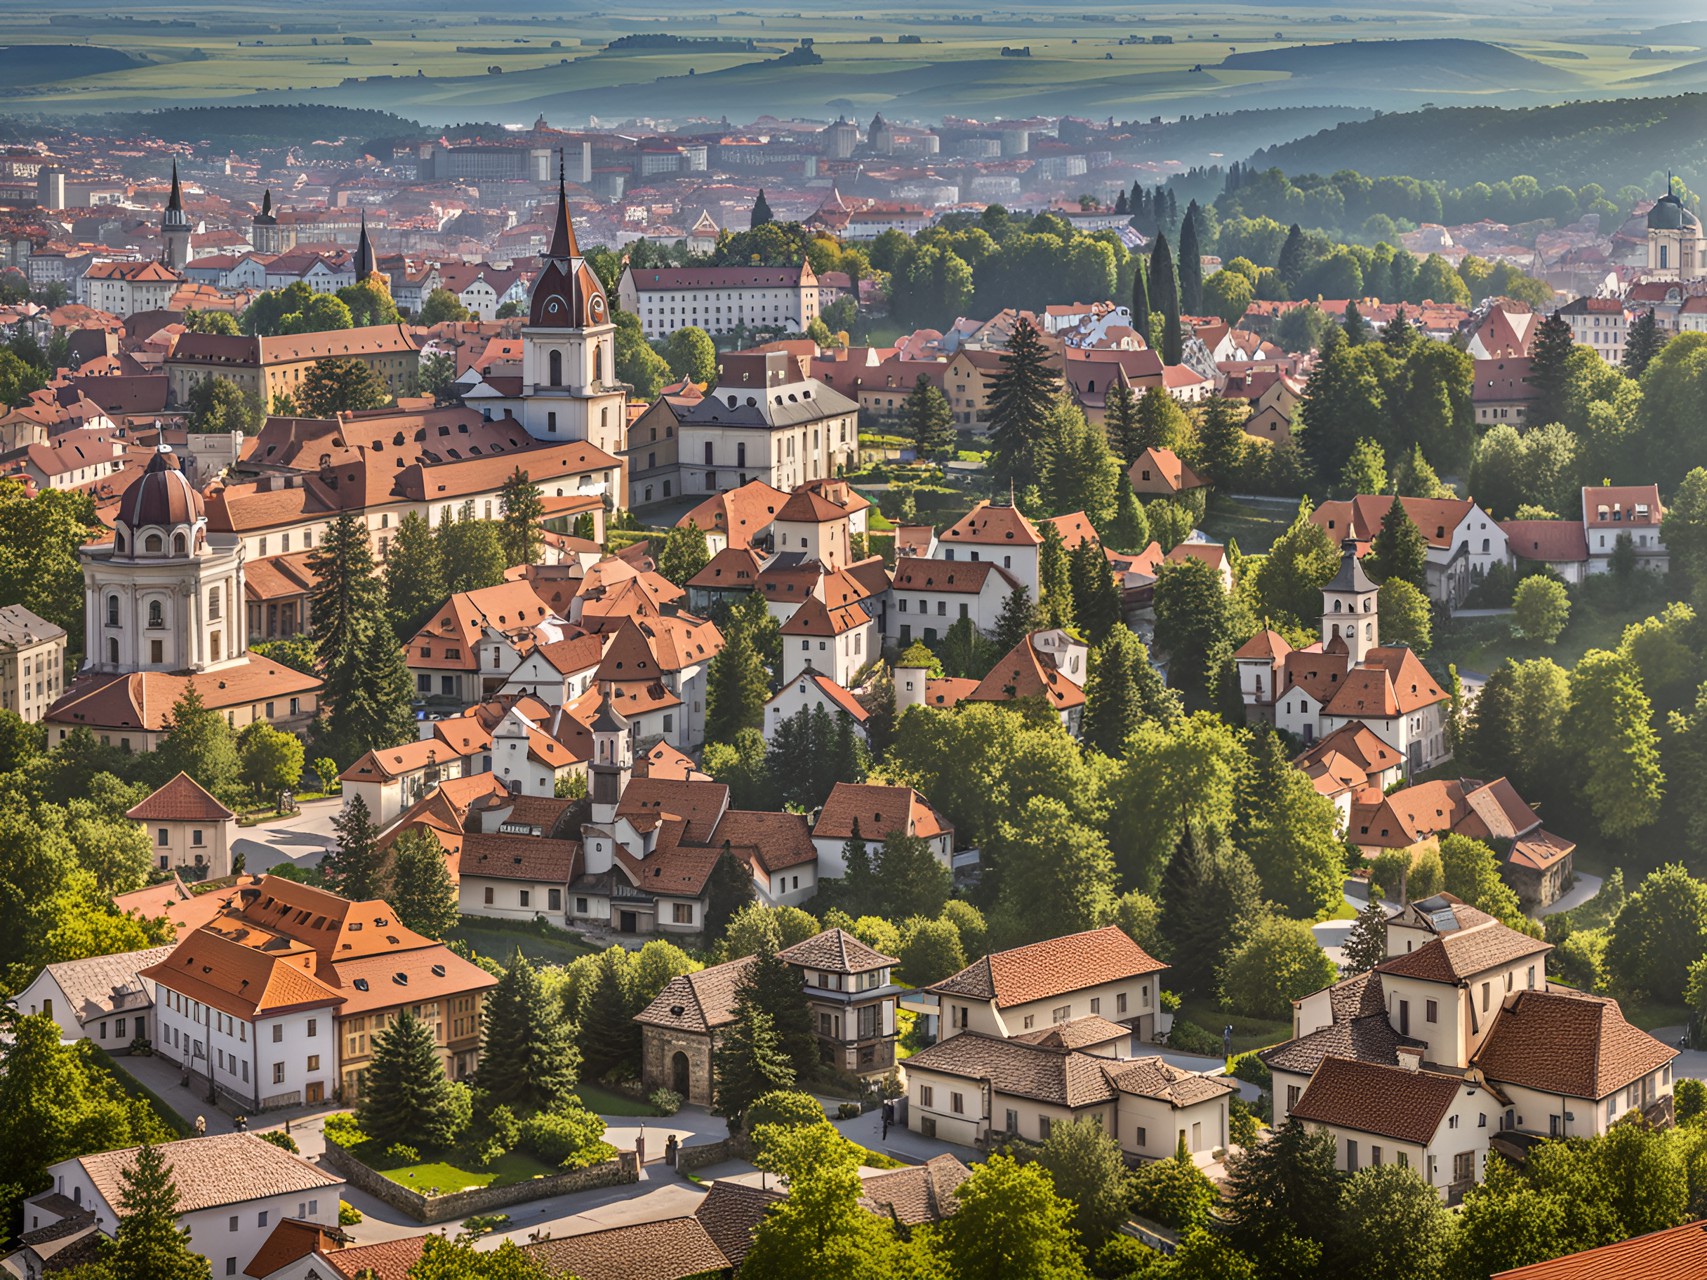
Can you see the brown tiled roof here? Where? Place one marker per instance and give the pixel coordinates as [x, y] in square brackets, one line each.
[1361, 517]
[1049, 968]
[1080, 1033]
[671, 1249]
[1264, 644]
[835, 951]
[1678, 1253]
[387, 1260]
[1168, 474]
[778, 840]
[879, 810]
[1553, 541]
[532, 858]
[291, 1239]
[183, 799]
[988, 524]
[1366, 1038]
[144, 699]
[406, 977]
[962, 577]
[1155, 1077]
[918, 1194]
[699, 804]
[1023, 1070]
[1621, 501]
[740, 514]
[697, 1001]
[1566, 1043]
[1389, 1102]
[1456, 956]
[218, 1170]
[1024, 672]
[731, 1212]
[240, 980]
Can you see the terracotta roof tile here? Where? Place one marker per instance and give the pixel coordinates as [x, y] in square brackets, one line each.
[836, 951]
[1389, 1102]
[1042, 1074]
[697, 1001]
[181, 800]
[1567, 1043]
[879, 810]
[213, 1171]
[916, 1195]
[670, 1249]
[1045, 969]
[1679, 1253]
[1456, 956]
[731, 1213]
[387, 1260]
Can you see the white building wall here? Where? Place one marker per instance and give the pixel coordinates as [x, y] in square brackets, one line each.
[275, 1057]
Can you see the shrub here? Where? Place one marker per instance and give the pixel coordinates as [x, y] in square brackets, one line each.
[665, 1101]
[1690, 1098]
[1251, 1069]
[348, 1214]
[1241, 1123]
[1278, 962]
[279, 1138]
[1174, 1193]
[1188, 1037]
[1170, 1002]
[342, 1128]
[847, 1111]
[402, 1153]
[504, 1129]
[489, 1151]
[571, 1137]
[784, 1106]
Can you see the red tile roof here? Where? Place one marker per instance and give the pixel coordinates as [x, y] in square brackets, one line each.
[181, 800]
[1045, 969]
[1679, 1253]
[1566, 1043]
[1388, 1102]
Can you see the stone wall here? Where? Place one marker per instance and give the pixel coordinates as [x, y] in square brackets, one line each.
[659, 1047]
[462, 1204]
[698, 1156]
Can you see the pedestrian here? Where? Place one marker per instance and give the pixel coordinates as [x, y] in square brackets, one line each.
[888, 1116]
[201, 1126]
[1227, 1041]
[242, 1124]
[671, 1146]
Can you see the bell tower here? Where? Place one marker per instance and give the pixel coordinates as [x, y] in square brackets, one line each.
[612, 764]
[1349, 606]
[175, 228]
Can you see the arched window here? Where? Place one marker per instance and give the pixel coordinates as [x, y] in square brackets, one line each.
[179, 544]
[112, 611]
[113, 651]
[1368, 604]
[555, 364]
[1336, 606]
[156, 614]
[1369, 631]
[119, 543]
[152, 543]
[598, 363]
[1336, 634]
[213, 605]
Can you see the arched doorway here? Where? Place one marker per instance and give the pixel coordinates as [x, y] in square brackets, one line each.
[679, 1073]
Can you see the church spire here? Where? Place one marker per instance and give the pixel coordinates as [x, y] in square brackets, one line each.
[563, 234]
[176, 203]
[364, 253]
[267, 203]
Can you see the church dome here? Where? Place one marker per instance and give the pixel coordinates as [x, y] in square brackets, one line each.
[163, 496]
[1668, 214]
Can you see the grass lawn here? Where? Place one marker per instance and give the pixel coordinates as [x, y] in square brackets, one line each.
[1254, 524]
[495, 939]
[1248, 1033]
[1648, 1016]
[1483, 644]
[606, 1103]
[446, 1175]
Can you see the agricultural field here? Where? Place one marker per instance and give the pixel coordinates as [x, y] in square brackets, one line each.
[509, 62]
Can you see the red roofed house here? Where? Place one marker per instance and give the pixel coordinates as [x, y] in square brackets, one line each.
[1050, 665]
[188, 830]
[1158, 473]
[1463, 540]
[1560, 546]
[389, 780]
[1611, 512]
[875, 812]
[808, 691]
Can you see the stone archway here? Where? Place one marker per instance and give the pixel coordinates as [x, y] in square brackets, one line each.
[679, 1073]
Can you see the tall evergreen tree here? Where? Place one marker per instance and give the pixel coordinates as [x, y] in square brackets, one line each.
[1399, 336]
[748, 1062]
[1224, 442]
[1190, 263]
[414, 577]
[522, 510]
[928, 420]
[149, 1244]
[366, 682]
[1642, 344]
[527, 1060]
[909, 878]
[1120, 417]
[880, 712]
[1112, 706]
[1120, 205]
[406, 1096]
[1290, 832]
[1285, 1192]
[1356, 329]
[352, 870]
[736, 689]
[1292, 262]
[1096, 598]
[1021, 395]
[1020, 616]
[1165, 297]
[859, 880]
[470, 550]
[1210, 893]
[608, 1034]
[1366, 945]
[420, 889]
[729, 889]
[1054, 579]
[1140, 297]
[1399, 549]
[770, 985]
[1131, 529]
[761, 211]
[1549, 370]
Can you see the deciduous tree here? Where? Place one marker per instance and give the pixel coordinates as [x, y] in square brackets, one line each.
[521, 510]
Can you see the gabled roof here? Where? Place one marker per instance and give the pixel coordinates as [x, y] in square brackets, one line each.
[731, 1213]
[1057, 1076]
[836, 951]
[1078, 1033]
[1051, 968]
[1389, 1102]
[879, 810]
[183, 799]
[956, 577]
[667, 1249]
[1546, 541]
[1161, 471]
[1567, 1043]
[1027, 672]
[222, 1169]
[1265, 644]
[1155, 1077]
[1679, 1253]
[918, 1194]
[1454, 957]
[990, 524]
[1361, 517]
[697, 1002]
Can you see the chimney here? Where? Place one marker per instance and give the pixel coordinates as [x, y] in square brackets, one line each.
[1410, 1056]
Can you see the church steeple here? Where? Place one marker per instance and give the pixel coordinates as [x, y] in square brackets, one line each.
[175, 227]
[563, 244]
[364, 253]
[267, 203]
[175, 203]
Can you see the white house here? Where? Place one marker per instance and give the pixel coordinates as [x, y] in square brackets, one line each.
[1463, 540]
[720, 299]
[101, 999]
[930, 596]
[806, 692]
[839, 642]
[514, 877]
[390, 779]
[188, 830]
[1611, 512]
[232, 1190]
[875, 812]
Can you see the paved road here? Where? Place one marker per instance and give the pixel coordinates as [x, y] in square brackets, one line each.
[1584, 889]
[301, 839]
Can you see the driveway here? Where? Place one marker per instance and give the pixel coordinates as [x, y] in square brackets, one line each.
[302, 839]
[1584, 889]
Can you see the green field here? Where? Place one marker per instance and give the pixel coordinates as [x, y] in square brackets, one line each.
[499, 941]
[508, 62]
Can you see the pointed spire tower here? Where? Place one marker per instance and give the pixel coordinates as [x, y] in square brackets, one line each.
[365, 265]
[175, 227]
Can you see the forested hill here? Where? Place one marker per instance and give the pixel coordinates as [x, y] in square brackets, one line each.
[1415, 64]
[1613, 142]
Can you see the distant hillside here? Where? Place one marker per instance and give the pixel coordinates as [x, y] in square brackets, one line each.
[22, 64]
[1425, 65]
[1612, 142]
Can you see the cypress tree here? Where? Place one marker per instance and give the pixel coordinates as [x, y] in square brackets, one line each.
[729, 889]
[522, 509]
[1549, 373]
[406, 1096]
[859, 881]
[1054, 579]
[352, 869]
[770, 985]
[1120, 417]
[1190, 264]
[1399, 549]
[1096, 599]
[1140, 299]
[1020, 398]
[1290, 266]
[367, 686]
[1366, 945]
[149, 1243]
[527, 1060]
[748, 1063]
[762, 211]
[880, 707]
[1164, 297]
[1642, 344]
[1120, 205]
[736, 689]
[1020, 616]
[1131, 529]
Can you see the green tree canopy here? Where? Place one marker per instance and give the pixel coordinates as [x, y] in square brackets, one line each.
[406, 1096]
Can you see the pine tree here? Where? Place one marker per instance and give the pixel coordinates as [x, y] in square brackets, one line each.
[729, 889]
[1190, 264]
[1366, 945]
[1120, 205]
[1140, 297]
[527, 1060]
[367, 685]
[1398, 337]
[1020, 616]
[1549, 371]
[1221, 433]
[197, 741]
[761, 211]
[420, 889]
[1356, 331]
[736, 689]
[608, 1034]
[1120, 417]
[352, 869]
[1054, 579]
[1209, 894]
[1021, 395]
[149, 1242]
[928, 420]
[1131, 530]
[1642, 344]
[1291, 264]
[406, 1096]
[414, 577]
[769, 984]
[1164, 297]
[522, 510]
[909, 878]
[1290, 831]
[859, 881]
[748, 1062]
[1096, 598]
[1112, 707]
[1399, 550]
[879, 703]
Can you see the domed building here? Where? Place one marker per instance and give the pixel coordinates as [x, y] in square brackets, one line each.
[164, 595]
[1676, 250]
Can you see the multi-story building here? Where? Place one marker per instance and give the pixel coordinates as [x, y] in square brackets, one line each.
[1614, 512]
[1463, 540]
[32, 662]
[720, 299]
[271, 367]
[189, 831]
[125, 288]
[1599, 324]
